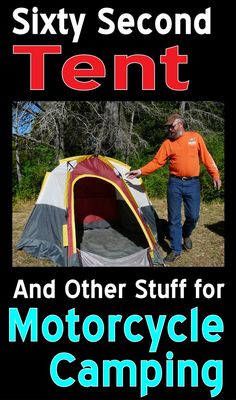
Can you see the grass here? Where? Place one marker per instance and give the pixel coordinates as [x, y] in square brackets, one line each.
[208, 237]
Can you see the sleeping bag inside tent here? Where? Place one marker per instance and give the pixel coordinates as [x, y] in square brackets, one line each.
[89, 214]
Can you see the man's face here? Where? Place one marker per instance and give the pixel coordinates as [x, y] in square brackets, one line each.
[175, 130]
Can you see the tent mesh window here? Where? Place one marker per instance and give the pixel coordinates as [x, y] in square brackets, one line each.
[105, 225]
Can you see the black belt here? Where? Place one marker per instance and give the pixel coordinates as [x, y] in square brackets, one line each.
[184, 178]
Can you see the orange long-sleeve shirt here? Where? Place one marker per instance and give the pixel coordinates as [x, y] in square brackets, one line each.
[183, 154]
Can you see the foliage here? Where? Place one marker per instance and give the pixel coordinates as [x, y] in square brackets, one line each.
[215, 145]
[34, 166]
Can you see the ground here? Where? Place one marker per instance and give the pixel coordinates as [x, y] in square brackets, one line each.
[208, 237]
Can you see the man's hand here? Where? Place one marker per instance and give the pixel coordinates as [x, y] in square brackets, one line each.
[217, 183]
[133, 174]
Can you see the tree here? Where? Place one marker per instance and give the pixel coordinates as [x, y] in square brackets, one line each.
[23, 114]
[90, 127]
[206, 116]
[131, 131]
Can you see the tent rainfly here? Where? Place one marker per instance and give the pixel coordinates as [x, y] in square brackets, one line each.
[90, 214]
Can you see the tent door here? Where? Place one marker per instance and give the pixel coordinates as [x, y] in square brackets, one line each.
[104, 222]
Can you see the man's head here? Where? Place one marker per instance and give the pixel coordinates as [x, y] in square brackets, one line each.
[175, 124]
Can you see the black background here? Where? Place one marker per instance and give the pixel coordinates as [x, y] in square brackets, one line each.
[211, 71]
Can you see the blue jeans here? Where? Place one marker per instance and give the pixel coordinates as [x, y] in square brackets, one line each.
[188, 192]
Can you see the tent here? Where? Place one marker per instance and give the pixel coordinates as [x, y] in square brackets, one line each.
[89, 214]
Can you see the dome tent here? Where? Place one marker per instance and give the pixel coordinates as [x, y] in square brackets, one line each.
[89, 214]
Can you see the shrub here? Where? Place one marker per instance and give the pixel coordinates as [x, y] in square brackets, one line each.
[33, 169]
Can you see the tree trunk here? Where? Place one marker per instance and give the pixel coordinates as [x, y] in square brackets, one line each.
[18, 170]
[130, 136]
[182, 107]
[109, 129]
[59, 143]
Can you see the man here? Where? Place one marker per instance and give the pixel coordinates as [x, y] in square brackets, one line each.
[183, 150]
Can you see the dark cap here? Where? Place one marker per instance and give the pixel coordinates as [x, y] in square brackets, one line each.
[171, 119]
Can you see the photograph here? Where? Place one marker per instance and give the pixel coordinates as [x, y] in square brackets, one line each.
[122, 132]
[118, 183]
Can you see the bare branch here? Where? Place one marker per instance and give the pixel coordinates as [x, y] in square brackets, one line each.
[27, 137]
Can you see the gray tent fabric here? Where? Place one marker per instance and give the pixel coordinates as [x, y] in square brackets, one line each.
[44, 240]
[150, 216]
[111, 242]
[139, 259]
